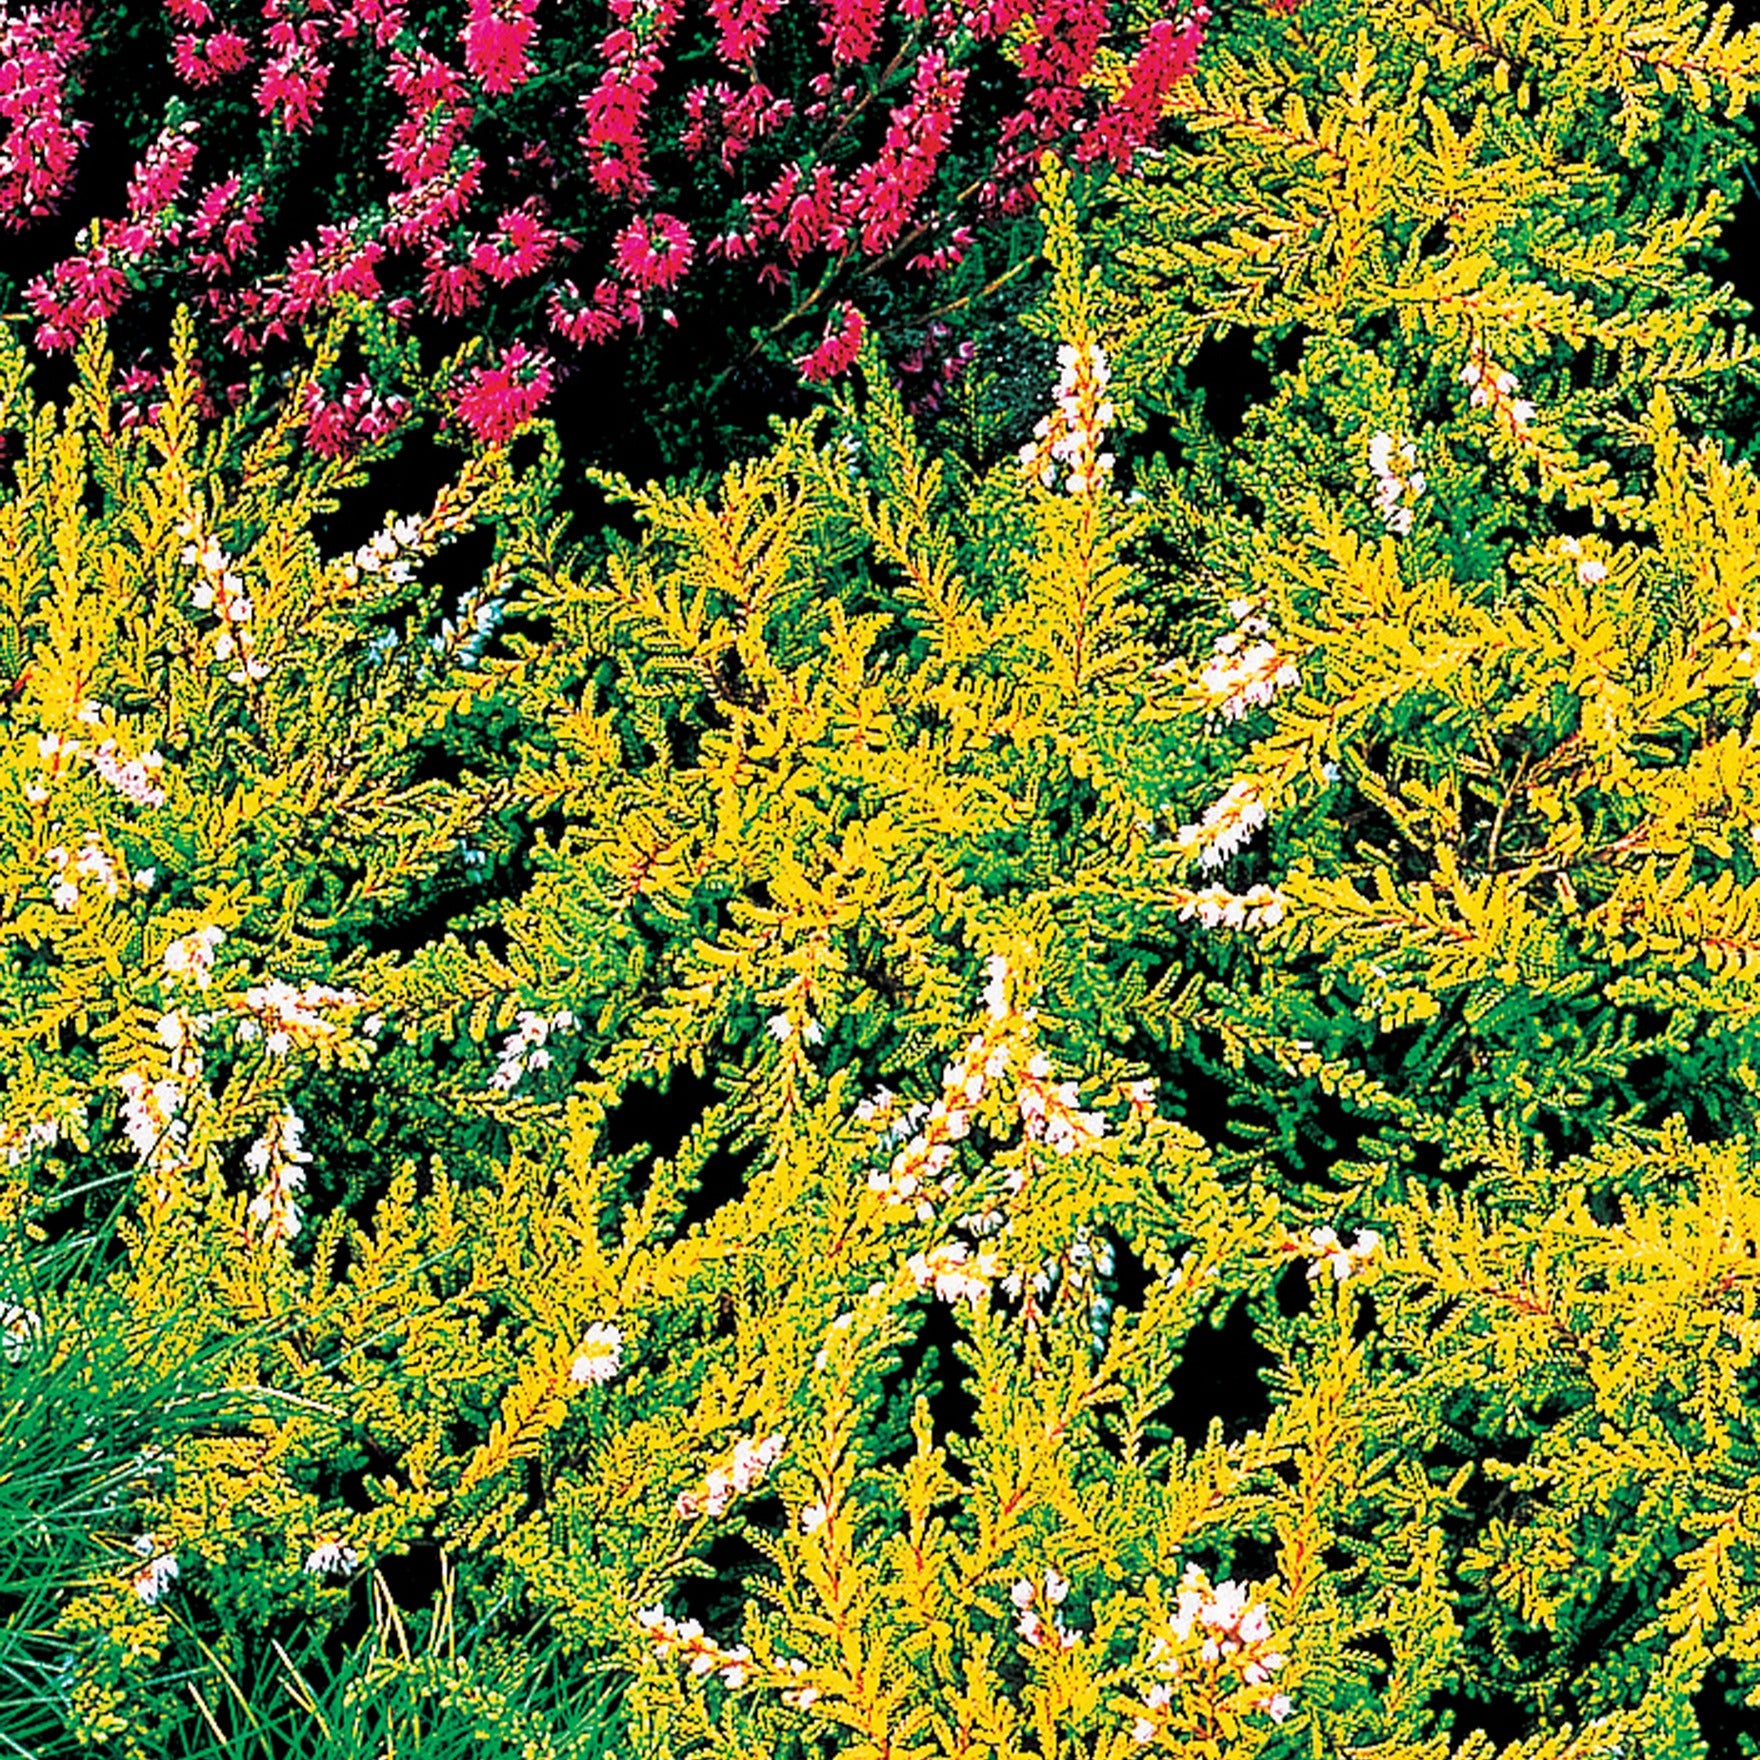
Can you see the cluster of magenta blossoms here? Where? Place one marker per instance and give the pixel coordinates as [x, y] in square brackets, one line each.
[553, 177]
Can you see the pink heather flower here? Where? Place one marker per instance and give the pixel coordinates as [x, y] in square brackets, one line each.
[881, 199]
[495, 401]
[156, 185]
[84, 290]
[743, 25]
[496, 41]
[1168, 55]
[337, 428]
[231, 226]
[201, 61]
[450, 286]
[293, 84]
[851, 28]
[654, 253]
[39, 141]
[837, 349]
[521, 246]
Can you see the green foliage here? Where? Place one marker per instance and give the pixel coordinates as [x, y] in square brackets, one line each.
[957, 938]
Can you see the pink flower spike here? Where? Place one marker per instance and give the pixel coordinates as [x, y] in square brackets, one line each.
[497, 41]
[494, 402]
[838, 349]
[654, 253]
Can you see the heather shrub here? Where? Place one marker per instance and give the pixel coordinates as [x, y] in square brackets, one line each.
[1020, 1100]
[688, 209]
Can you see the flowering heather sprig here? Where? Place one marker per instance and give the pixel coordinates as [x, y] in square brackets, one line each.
[1493, 387]
[20, 1139]
[750, 1462]
[1050, 1111]
[526, 1047]
[742, 27]
[296, 76]
[287, 1019]
[1234, 1654]
[850, 29]
[495, 402]
[150, 1119]
[1259, 907]
[1226, 825]
[339, 427]
[1238, 679]
[1072, 436]
[132, 778]
[1031, 1623]
[152, 1579]
[88, 288]
[279, 1163]
[497, 42]
[77, 876]
[1396, 488]
[881, 199]
[929, 1153]
[926, 374]
[225, 222]
[203, 61]
[838, 347]
[222, 591]
[331, 1558]
[154, 190]
[653, 253]
[1327, 1253]
[190, 958]
[742, 118]
[954, 1272]
[684, 1640]
[522, 243]
[600, 1356]
[39, 140]
[1168, 54]
[1592, 571]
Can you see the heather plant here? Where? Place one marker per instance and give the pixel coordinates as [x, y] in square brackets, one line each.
[677, 204]
[1018, 869]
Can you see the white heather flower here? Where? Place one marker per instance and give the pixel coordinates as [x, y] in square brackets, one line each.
[157, 1574]
[1589, 572]
[780, 1028]
[952, 1271]
[813, 1517]
[130, 777]
[996, 987]
[331, 1559]
[19, 1329]
[191, 957]
[1397, 484]
[1226, 825]
[149, 1118]
[1232, 683]
[277, 1159]
[601, 1355]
